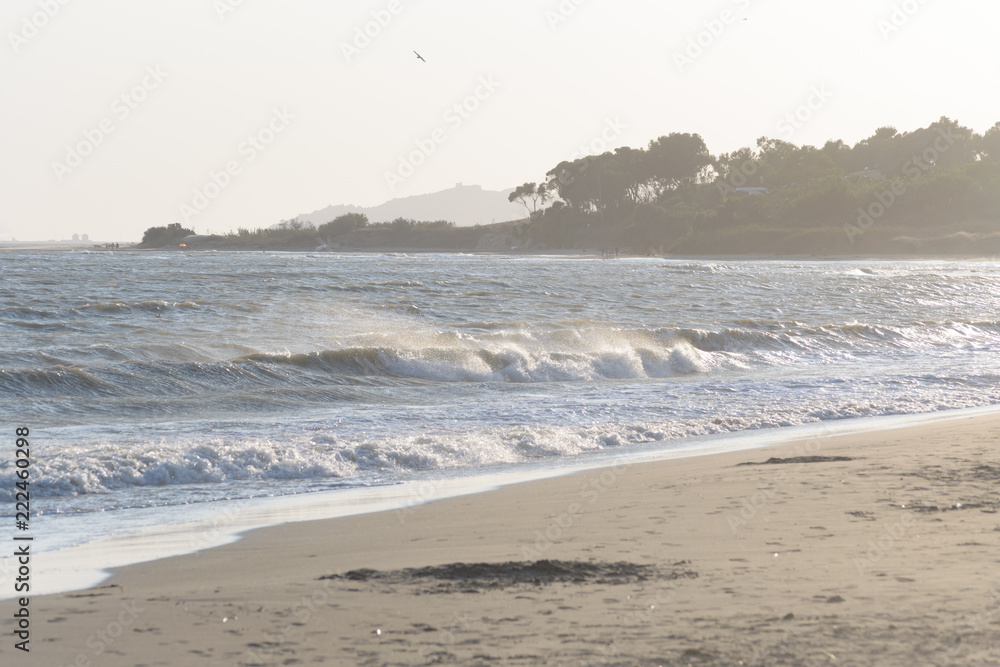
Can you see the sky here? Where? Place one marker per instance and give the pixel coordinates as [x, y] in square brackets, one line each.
[119, 115]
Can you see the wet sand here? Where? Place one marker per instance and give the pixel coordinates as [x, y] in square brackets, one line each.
[879, 548]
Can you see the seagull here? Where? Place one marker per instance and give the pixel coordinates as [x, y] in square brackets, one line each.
[420, 56]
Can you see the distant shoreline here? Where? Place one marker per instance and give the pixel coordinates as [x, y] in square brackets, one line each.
[562, 253]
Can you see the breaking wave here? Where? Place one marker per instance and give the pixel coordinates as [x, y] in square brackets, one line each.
[505, 355]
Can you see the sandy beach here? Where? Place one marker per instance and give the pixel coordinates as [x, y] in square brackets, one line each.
[880, 548]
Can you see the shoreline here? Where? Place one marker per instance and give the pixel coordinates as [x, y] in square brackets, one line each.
[68, 569]
[888, 545]
[554, 253]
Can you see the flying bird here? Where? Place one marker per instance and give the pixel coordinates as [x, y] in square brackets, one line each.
[420, 56]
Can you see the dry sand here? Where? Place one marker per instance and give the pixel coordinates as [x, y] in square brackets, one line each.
[889, 558]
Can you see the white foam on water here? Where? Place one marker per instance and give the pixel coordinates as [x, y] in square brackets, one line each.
[154, 533]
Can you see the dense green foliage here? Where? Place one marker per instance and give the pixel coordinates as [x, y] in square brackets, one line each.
[158, 237]
[406, 224]
[775, 197]
[934, 189]
[343, 224]
[294, 234]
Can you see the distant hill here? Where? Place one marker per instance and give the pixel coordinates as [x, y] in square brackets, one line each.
[464, 205]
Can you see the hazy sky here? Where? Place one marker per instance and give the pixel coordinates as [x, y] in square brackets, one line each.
[119, 115]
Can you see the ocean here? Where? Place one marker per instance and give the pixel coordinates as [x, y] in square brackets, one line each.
[166, 387]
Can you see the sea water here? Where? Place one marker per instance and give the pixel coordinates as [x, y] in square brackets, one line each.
[160, 387]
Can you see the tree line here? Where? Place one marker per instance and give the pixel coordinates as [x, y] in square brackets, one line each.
[891, 191]
[292, 232]
[676, 194]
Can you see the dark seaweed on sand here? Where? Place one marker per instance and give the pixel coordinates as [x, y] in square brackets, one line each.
[471, 577]
[798, 459]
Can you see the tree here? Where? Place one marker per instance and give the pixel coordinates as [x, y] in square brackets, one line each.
[596, 183]
[675, 159]
[990, 143]
[343, 224]
[530, 192]
[612, 184]
[839, 152]
[738, 169]
[158, 237]
[566, 180]
[954, 143]
[806, 164]
[631, 163]
[878, 152]
[294, 225]
[774, 154]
